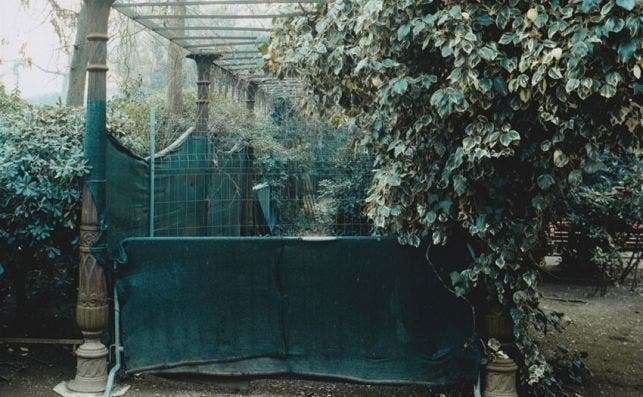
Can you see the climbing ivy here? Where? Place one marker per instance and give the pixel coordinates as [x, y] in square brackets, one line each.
[483, 117]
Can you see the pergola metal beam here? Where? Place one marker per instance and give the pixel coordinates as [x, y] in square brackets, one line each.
[234, 52]
[239, 61]
[229, 62]
[224, 45]
[215, 2]
[240, 58]
[217, 28]
[222, 16]
[214, 37]
[241, 68]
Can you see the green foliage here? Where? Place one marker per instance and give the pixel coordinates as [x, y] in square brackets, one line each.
[41, 161]
[309, 157]
[483, 116]
[129, 113]
[602, 215]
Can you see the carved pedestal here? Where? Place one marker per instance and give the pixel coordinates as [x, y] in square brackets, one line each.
[91, 316]
[500, 374]
[500, 378]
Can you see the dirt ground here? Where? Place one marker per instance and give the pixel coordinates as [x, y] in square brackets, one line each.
[607, 328]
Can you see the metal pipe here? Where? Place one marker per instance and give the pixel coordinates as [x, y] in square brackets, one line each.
[152, 167]
[118, 349]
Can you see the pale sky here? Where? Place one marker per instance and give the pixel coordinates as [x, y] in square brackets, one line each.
[28, 32]
[31, 28]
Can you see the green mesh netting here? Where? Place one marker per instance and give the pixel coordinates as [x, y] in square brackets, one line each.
[197, 193]
[360, 308]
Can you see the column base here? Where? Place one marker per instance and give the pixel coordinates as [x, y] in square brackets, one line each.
[63, 390]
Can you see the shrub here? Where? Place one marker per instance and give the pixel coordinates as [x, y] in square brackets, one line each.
[484, 117]
[41, 161]
[41, 166]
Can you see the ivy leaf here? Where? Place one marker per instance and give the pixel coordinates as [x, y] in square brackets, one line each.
[403, 31]
[394, 180]
[506, 38]
[560, 160]
[456, 12]
[627, 4]
[438, 237]
[571, 85]
[545, 181]
[400, 86]
[529, 278]
[626, 50]
[487, 53]
[575, 177]
[431, 216]
[589, 5]
[500, 262]
[486, 84]
[608, 90]
[554, 73]
[509, 137]
[538, 202]
[459, 184]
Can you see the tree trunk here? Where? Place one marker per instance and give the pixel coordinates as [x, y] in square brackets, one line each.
[175, 66]
[77, 68]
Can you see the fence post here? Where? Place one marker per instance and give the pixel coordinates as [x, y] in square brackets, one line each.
[152, 167]
[247, 214]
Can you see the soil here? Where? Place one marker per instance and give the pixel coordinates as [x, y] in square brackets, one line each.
[608, 328]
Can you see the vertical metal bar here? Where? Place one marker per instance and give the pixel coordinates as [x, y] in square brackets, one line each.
[152, 166]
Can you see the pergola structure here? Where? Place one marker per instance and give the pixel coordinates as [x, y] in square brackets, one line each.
[222, 37]
[224, 34]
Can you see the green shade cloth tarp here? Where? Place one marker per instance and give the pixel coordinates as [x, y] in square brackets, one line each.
[358, 308]
[198, 192]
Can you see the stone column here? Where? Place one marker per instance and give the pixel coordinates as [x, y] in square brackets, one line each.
[92, 306]
[251, 95]
[203, 67]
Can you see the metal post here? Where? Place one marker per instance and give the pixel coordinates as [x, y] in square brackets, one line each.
[152, 166]
[247, 214]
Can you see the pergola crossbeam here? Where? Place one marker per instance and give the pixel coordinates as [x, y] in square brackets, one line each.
[236, 57]
[217, 28]
[214, 2]
[232, 62]
[256, 58]
[222, 45]
[222, 16]
[187, 38]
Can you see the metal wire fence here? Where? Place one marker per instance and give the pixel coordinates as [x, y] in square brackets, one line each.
[206, 187]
